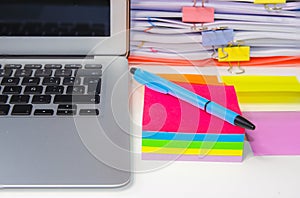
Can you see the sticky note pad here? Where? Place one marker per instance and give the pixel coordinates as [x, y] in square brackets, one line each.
[269, 1]
[217, 37]
[234, 54]
[176, 130]
[198, 14]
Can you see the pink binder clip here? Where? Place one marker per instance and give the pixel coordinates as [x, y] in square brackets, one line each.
[196, 14]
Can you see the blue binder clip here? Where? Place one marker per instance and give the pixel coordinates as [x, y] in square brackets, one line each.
[217, 37]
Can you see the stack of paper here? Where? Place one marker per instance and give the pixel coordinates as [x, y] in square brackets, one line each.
[158, 31]
[176, 130]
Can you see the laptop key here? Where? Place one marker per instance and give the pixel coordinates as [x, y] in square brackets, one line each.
[76, 90]
[30, 81]
[54, 90]
[94, 88]
[91, 80]
[41, 99]
[77, 99]
[13, 66]
[21, 110]
[12, 90]
[90, 72]
[33, 90]
[63, 72]
[43, 112]
[19, 99]
[89, 112]
[5, 72]
[32, 66]
[23, 73]
[3, 99]
[10, 81]
[66, 112]
[72, 81]
[51, 81]
[53, 66]
[93, 66]
[67, 107]
[4, 109]
[73, 66]
[43, 73]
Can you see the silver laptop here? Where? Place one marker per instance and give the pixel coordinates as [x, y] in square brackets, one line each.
[64, 118]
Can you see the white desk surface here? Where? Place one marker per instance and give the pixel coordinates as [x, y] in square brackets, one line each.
[266, 177]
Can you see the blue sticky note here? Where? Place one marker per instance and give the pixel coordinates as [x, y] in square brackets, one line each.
[217, 37]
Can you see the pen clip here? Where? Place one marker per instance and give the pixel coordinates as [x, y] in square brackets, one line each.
[157, 87]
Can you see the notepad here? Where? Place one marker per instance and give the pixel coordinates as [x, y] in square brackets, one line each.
[176, 130]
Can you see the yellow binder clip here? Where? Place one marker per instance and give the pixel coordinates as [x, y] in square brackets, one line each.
[234, 54]
[271, 2]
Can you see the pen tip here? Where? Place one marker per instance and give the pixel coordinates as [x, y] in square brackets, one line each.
[132, 70]
[244, 123]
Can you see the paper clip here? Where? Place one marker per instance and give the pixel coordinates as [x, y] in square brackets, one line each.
[150, 21]
[141, 44]
[153, 50]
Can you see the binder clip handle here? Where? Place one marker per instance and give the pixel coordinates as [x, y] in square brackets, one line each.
[233, 71]
[195, 3]
[273, 9]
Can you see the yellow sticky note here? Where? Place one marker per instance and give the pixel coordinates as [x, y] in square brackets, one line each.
[269, 1]
[234, 54]
[184, 151]
[263, 83]
[265, 89]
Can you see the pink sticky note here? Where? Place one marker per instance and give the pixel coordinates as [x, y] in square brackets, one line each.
[169, 114]
[198, 14]
[277, 133]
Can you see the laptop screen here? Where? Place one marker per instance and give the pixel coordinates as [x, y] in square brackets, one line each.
[55, 18]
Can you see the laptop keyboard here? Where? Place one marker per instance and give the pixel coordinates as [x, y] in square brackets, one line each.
[50, 89]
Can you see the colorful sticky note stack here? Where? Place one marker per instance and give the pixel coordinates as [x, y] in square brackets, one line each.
[176, 130]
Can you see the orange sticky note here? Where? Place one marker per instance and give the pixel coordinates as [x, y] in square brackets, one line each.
[192, 78]
[198, 14]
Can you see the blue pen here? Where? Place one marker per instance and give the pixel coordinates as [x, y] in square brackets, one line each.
[161, 85]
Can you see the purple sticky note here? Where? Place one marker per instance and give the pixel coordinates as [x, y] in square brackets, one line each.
[277, 133]
[217, 37]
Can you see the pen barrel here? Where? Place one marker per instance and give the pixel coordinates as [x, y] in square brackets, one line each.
[221, 112]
